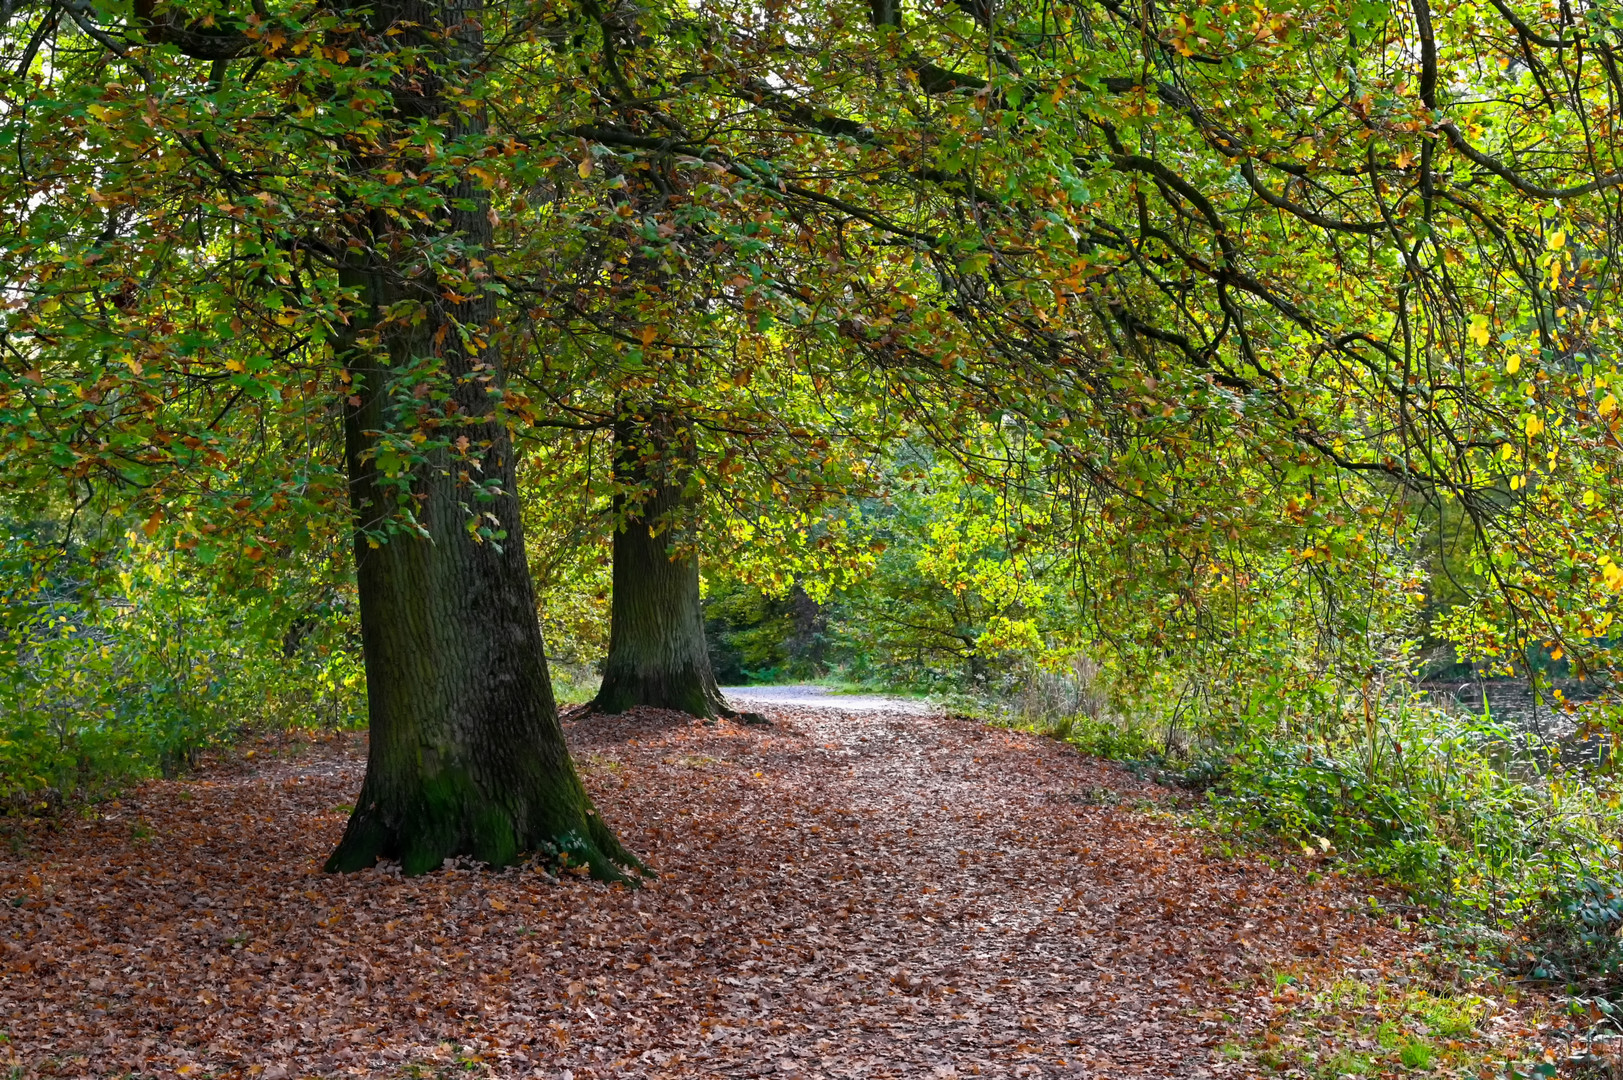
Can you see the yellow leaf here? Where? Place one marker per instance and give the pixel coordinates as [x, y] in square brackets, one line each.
[1513, 365]
[234, 364]
[1478, 331]
[1535, 424]
[1608, 405]
[1558, 240]
[584, 168]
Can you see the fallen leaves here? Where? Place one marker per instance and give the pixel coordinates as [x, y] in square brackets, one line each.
[863, 895]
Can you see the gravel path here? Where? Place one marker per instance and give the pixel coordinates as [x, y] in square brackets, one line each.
[841, 894]
[821, 697]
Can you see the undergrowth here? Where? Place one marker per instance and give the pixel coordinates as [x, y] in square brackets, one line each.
[1389, 1023]
[138, 679]
[1512, 852]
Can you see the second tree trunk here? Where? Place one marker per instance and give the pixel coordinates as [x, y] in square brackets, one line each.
[657, 651]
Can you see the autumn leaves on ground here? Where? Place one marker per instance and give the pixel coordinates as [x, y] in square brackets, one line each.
[841, 894]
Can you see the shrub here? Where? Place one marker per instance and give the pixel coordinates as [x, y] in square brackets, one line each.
[112, 688]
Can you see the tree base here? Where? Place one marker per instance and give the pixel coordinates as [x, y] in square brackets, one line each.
[688, 692]
[439, 825]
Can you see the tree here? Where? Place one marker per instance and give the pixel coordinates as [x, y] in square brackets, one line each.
[657, 651]
[715, 411]
[747, 474]
[1159, 240]
[1155, 240]
[657, 655]
[466, 752]
[389, 292]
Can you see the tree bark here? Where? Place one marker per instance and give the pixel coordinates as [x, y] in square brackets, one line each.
[466, 756]
[657, 650]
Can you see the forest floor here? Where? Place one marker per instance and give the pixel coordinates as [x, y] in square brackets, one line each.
[843, 893]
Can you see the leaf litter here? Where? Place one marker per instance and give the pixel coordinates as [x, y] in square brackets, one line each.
[840, 894]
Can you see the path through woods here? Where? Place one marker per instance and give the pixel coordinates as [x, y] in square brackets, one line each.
[842, 894]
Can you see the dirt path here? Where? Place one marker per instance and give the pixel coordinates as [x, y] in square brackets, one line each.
[842, 894]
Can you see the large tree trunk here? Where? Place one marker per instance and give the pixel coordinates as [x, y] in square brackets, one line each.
[657, 651]
[467, 756]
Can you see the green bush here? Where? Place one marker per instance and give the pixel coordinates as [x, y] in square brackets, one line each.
[755, 637]
[106, 689]
[1478, 821]
[1120, 740]
[1514, 851]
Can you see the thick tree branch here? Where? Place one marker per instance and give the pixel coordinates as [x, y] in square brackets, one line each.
[1516, 180]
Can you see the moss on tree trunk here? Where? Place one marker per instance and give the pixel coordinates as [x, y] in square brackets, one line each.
[467, 756]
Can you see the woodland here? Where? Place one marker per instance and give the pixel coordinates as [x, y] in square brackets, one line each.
[1198, 422]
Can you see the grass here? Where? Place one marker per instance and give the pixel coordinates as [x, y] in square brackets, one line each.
[847, 686]
[573, 684]
[1394, 1024]
[836, 686]
[1416, 1055]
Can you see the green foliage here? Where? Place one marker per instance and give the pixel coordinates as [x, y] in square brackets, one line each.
[124, 678]
[1106, 738]
[1478, 820]
[568, 546]
[956, 590]
[756, 637]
